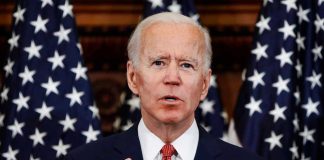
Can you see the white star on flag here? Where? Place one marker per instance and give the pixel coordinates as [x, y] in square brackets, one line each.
[80, 72]
[10, 154]
[8, 67]
[294, 151]
[37, 137]
[33, 50]
[284, 57]
[290, 4]
[4, 94]
[91, 134]
[307, 135]
[46, 2]
[21, 101]
[260, 51]
[281, 85]
[212, 81]
[68, 123]
[156, 3]
[263, 24]
[61, 148]
[16, 128]
[254, 106]
[66, 8]
[95, 111]
[45, 111]
[19, 15]
[302, 14]
[315, 79]
[287, 30]
[62, 34]
[51, 86]
[27, 76]
[207, 107]
[317, 50]
[56, 60]
[75, 97]
[320, 2]
[257, 79]
[39, 24]
[278, 112]
[300, 42]
[134, 103]
[175, 7]
[274, 140]
[319, 23]
[311, 107]
[13, 41]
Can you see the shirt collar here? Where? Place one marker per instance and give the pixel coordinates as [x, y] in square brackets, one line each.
[150, 143]
[186, 144]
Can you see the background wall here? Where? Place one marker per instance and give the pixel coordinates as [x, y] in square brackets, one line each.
[104, 28]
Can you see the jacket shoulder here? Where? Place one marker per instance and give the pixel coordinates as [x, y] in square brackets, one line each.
[96, 149]
[234, 152]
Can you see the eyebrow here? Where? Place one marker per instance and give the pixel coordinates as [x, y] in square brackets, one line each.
[151, 58]
[190, 59]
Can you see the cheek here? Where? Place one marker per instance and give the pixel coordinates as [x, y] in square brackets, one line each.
[146, 83]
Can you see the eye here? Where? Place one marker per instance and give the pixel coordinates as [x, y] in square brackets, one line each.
[158, 63]
[187, 65]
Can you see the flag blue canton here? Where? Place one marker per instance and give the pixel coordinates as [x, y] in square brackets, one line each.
[280, 109]
[46, 103]
[210, 113]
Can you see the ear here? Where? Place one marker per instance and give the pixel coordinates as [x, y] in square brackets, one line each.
[206, 83]
[131, 77]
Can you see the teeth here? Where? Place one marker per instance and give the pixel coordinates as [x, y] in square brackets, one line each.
[170, 99]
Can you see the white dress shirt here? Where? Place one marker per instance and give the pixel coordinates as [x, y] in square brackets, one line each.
[185, 145]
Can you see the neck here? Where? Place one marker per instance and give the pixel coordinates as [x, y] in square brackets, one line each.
[168, 132]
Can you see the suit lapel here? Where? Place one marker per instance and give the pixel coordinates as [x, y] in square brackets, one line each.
[128, 144]
[207, 148]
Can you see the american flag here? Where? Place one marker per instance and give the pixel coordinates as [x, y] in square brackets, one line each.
[280, 109]
[46, 103]
[210, 113]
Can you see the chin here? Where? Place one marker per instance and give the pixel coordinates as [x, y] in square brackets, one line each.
[170, 119]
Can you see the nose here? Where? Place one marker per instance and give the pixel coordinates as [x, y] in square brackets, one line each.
[172, 75]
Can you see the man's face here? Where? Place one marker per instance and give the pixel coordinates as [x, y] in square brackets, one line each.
[170, 79]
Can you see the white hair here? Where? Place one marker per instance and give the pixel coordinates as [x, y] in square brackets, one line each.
[134, 44]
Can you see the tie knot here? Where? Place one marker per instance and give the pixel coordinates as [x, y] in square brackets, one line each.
[168, 150]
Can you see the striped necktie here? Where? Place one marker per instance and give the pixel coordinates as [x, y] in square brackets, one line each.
[167, 151]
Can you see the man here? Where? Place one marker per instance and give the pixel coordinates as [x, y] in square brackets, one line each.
[170, 55]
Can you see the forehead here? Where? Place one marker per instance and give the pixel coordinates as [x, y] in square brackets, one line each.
[162, 30]
[172, 37]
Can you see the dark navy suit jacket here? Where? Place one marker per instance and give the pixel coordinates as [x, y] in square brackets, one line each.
[127, 145]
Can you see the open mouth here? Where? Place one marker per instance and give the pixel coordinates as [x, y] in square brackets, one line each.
[170, 98]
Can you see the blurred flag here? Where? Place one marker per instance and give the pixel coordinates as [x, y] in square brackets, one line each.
[210, 113]
[280, 109]
[46, 103]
